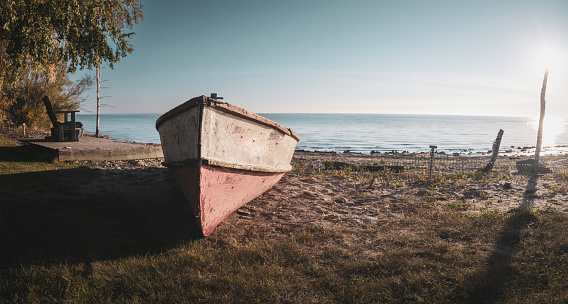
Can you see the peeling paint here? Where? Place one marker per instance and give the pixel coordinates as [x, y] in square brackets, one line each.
[222, 156]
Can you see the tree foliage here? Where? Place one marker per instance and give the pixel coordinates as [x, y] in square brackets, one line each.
[25, 105]
[83, 33]
[40, 37]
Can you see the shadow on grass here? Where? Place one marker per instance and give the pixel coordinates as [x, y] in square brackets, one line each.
[490, 285]
[26, 153]
[82, 215]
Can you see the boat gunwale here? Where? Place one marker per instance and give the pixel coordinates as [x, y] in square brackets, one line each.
[225, 107]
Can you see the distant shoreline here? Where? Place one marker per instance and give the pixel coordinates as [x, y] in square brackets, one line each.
[519, 151]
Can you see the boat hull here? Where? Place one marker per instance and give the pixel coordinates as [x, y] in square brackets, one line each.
[222, 156]
[221, 190]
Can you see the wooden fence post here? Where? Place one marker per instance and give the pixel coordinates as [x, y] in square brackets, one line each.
[495, 148]
[431, 166]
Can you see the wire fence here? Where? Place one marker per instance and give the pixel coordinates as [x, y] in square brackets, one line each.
[438, 164]
[433, 164]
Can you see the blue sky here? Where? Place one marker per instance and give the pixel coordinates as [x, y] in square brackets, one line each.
[359, 56]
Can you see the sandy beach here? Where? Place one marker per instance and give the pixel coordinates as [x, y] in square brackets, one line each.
[319, 195]
[311, 192]
[314, 192]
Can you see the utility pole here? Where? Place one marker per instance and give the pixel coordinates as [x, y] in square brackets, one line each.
[541, 120]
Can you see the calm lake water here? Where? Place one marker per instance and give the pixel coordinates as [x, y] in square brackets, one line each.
[369, 132]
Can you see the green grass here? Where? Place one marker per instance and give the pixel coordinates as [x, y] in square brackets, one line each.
[17, 158]
[60, 245]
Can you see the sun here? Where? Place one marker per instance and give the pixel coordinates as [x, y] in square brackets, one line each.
[550, 58]
[552, 127]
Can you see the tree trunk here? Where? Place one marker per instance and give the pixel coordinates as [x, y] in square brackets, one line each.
[97, 134]
[541, 120]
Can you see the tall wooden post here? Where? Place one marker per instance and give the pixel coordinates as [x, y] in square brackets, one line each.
[97, 134]
[541, 120]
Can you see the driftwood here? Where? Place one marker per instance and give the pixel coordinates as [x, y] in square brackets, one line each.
[495, 149]
[541, 119]
[533, 166]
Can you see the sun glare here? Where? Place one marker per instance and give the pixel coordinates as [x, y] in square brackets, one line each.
[551, 58]
[553, 126]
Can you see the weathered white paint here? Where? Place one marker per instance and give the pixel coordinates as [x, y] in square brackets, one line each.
[222, 138]
[180, 136]
[235, 142]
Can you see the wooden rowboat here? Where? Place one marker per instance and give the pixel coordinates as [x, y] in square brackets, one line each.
[222, 156]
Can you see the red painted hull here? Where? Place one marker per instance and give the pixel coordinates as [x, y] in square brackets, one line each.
[216, 192]
[222, 156]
